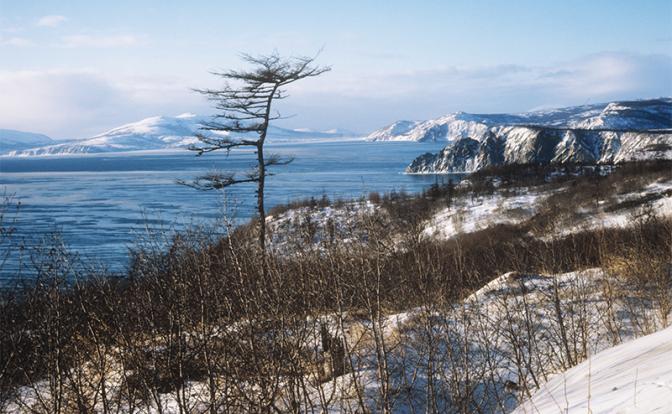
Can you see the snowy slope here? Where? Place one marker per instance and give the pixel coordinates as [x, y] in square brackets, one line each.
[472, 214]
[483, 325]
[468, 215]
[397, 131]
[634, 377]
[159, 132]
[298, 228]
[11, 140]
[625, 115]
[147, 134]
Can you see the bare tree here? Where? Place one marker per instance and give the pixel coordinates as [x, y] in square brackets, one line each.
[245, 112]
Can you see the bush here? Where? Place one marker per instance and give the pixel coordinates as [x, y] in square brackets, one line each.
[218, 326]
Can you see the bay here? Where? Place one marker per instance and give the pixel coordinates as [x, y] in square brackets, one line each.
[101, 203]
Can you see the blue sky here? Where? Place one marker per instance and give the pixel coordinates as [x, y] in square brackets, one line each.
[76, 68]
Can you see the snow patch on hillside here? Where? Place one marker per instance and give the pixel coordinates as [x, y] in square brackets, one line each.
[658, 194]
[297, 228]
[512, 304]
[634, 377]
[469, 215]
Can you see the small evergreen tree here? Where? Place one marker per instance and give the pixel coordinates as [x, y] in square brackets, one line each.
[245, 105]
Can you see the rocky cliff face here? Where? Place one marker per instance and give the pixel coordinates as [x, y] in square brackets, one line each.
[591, 134]
[545, 145]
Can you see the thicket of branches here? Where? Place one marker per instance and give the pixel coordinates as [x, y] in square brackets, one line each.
[207, 325]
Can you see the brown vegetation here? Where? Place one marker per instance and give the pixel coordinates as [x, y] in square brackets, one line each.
[219, 327]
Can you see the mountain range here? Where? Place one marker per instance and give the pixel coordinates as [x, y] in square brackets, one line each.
[155, 133]
[623, 115]
[597, 133]
[591, 134]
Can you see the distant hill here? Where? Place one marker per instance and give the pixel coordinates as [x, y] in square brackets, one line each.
[591, 134]
[623, 115]
[11, 140]
[155, 133]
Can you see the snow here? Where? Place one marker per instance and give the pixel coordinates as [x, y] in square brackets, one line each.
[628, 115]
[319, 225]
[634, 377]
[621, 218]
[601, 134]
[506, 145]
[481, 325]
[469, 215]
[148, 134]
[393, 132]
[157, 133]
[639, 115]
[449, 127]
[11, 140]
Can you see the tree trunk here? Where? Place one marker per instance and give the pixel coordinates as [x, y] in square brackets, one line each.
[260, 196]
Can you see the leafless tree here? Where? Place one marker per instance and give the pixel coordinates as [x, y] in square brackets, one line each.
[245, 105]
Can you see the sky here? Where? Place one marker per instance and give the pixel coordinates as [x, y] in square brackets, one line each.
[73, 69]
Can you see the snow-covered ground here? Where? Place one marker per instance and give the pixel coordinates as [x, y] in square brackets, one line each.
[634, 377]
[512, 326]
[502, 344]
[660, 204]
[511, 329]
[468, 215]
[313, 226]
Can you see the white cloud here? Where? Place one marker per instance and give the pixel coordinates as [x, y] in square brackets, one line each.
[47, 101]
[100, 41]
[365, 102]
[82, 103]
[609, 74]
[15, 41]
[594, 76]
[51, 21]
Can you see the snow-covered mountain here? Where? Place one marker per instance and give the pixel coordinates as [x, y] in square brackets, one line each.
[595, 134]
[625, 115]
[155, 133]
[11, 140]
[397, 131]
[545, 145]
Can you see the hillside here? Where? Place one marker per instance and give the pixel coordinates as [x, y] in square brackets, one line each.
[157, 133]
[466, 298]
[608, 133]
[621, 115]
[11, 140]
[634, 377]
